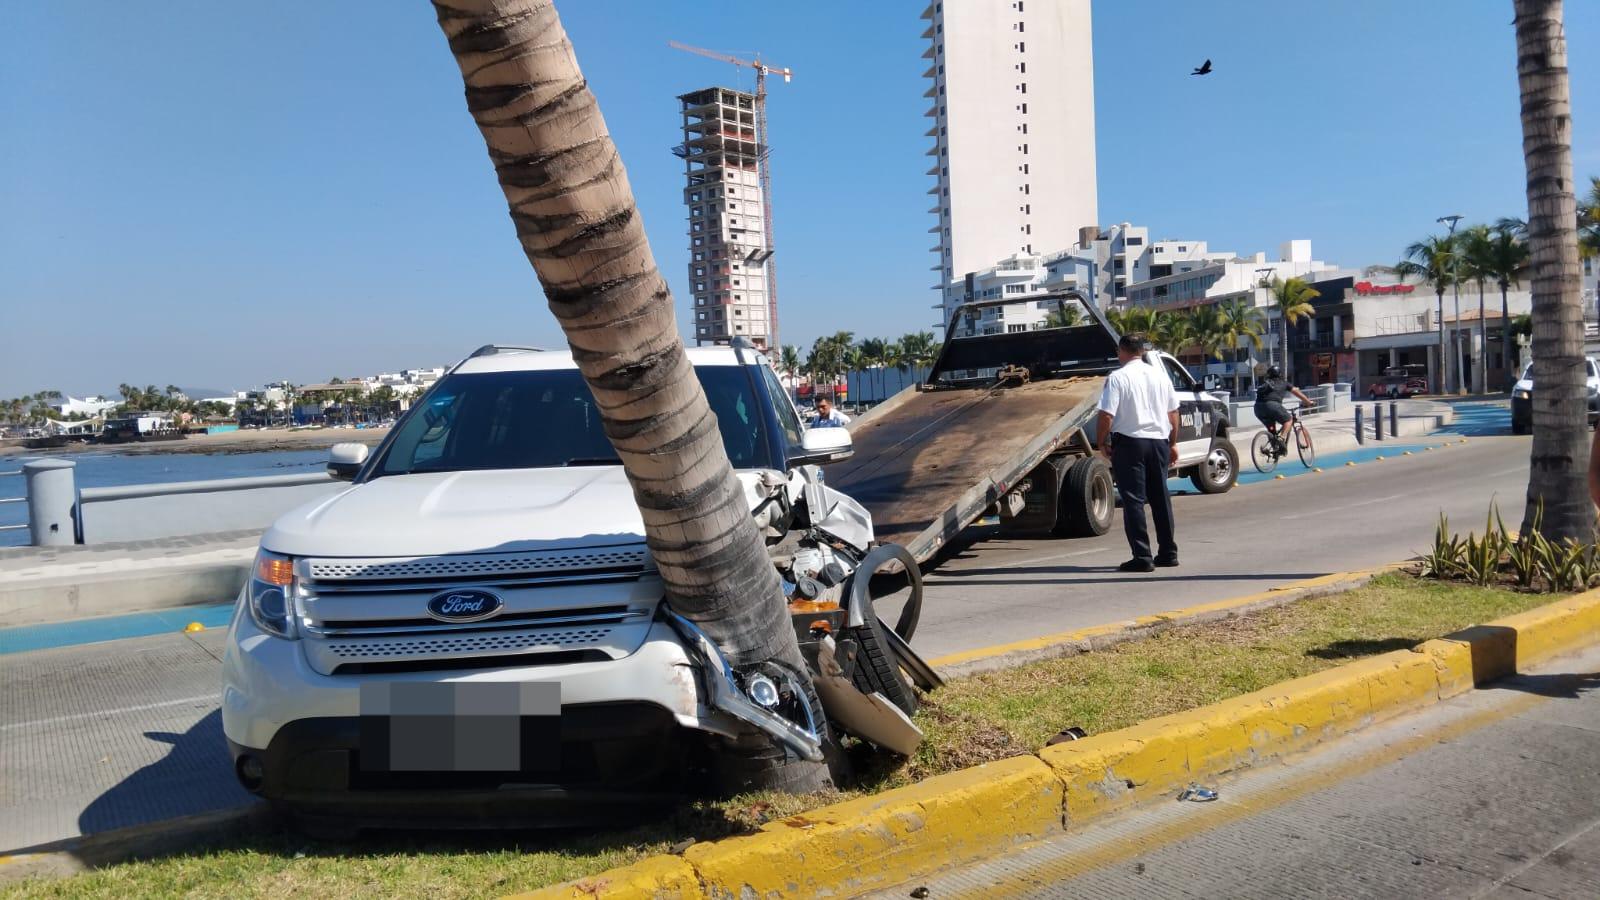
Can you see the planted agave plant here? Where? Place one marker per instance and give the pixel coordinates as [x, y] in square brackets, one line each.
[1532, 559]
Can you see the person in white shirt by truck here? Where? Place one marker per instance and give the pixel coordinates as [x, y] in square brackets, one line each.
[1138, 422]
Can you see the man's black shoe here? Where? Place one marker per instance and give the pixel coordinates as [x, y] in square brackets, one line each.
[1168, 563]
[1137, 565]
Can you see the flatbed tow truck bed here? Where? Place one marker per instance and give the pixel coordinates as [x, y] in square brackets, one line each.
[1006, 421]
[931, 465]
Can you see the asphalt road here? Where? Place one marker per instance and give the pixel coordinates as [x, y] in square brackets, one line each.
[1491, 794]
[105, 735]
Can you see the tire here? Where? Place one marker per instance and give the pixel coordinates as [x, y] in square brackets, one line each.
[1261, 453]
[1088, 499]
[1219, 471]
[1302, 443]
[875, 669]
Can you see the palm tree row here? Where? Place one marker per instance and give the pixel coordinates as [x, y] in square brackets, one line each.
[1220, 330]
[1480, 254]
[832, 356]
[30, 408]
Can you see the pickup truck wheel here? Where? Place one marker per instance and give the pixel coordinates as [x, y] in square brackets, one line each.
[876, 669]
[1088, 499]
[1220, 469]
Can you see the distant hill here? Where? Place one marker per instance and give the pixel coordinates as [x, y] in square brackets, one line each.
[204, 393]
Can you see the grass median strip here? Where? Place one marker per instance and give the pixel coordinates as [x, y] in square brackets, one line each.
[974, 720]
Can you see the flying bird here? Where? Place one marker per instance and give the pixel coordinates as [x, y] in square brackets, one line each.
[1205, 69]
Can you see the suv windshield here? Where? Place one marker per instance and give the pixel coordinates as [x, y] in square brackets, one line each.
[548, 419]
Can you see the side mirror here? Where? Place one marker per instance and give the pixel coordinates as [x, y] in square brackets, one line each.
[345, 460]
[820, 446]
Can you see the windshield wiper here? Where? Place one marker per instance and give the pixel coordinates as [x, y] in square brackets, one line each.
[593, 461]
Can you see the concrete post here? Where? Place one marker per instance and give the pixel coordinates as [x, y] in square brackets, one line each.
[52, 501]
[1394, 418]
[1361, 434]
[1377, 421]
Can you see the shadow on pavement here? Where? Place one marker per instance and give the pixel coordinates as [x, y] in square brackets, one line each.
[195, 776]
[1564, 686]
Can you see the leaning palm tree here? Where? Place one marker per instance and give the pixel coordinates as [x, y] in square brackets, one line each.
[1557, 467]
[789, 363]
[1433, 260]
[1292, 300]
[576, 218]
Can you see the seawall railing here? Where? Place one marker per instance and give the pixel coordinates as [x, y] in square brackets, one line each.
[60, 513]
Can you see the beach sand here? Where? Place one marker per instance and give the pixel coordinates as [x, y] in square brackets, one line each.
[243, 441]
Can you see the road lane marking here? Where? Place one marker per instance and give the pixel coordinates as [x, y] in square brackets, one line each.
[1328, 509]
[211, 698]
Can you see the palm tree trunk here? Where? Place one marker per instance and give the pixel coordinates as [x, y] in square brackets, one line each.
[1505, 331]
[1483, 345]
[580, 228]
[1558, 466]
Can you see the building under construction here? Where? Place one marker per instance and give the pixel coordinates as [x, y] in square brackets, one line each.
[728, 247]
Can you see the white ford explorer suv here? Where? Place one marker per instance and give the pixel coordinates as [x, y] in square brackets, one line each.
[475, 626]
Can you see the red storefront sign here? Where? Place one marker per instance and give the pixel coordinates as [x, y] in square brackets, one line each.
[1367, 287]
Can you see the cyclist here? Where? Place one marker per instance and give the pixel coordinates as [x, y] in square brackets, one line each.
[1270, 394]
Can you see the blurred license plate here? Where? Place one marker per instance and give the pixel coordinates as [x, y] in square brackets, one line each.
[460, 727]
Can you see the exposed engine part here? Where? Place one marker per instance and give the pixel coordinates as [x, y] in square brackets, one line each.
[832, 573]
[808, 588]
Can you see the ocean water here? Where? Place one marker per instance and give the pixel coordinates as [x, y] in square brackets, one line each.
[108, 468]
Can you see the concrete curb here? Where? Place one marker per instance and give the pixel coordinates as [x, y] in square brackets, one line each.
[893, 837]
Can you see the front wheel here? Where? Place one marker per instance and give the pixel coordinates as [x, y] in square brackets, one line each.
[1302, 441]
[1220, 470]
[1263, 453]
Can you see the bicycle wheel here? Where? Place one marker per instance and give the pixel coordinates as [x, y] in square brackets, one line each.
[1302, 441]
[1263, 454]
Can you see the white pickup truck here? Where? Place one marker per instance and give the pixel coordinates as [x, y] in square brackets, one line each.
[475, 626]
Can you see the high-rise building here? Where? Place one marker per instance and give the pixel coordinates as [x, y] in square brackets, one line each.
[727, 236]
[1013, 128]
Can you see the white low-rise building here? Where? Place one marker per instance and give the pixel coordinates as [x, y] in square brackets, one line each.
[89, 407]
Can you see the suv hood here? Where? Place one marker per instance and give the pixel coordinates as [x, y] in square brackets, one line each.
[435, 513]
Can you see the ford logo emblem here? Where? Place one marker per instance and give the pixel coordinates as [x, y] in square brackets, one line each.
[464, 606]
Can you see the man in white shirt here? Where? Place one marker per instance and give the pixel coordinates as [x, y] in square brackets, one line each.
[1138, 432]
[827, 416]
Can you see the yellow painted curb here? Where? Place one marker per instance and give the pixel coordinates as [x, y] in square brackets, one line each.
[887, 838]
[667, 877]
[1155, 758]
[951, 819]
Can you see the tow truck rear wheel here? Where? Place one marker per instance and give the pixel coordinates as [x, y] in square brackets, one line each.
[1088, 499]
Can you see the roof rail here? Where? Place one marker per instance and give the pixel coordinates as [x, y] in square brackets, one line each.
[492, 349]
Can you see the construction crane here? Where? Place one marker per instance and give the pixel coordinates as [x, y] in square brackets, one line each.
[764, 173]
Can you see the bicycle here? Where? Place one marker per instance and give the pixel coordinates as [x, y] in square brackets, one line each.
[1266, 449]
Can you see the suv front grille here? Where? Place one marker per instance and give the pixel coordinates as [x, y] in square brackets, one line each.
[369, 615]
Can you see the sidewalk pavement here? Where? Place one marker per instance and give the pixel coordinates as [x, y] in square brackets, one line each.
[54, 584]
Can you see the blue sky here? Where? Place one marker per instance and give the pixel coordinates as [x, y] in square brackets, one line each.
[220, 194]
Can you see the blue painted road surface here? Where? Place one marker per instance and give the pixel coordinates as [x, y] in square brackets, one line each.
[111, 628]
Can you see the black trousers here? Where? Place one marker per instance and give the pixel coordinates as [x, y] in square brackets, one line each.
[1139, 466]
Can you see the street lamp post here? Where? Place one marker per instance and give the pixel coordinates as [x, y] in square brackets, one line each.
[1455, 284]
[1272, 345]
